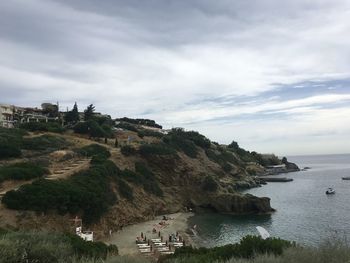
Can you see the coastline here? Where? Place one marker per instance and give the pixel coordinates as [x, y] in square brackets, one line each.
[125, 239]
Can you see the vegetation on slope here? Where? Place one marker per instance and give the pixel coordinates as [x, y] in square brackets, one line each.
[142, 176]
[42, 127]
[186, 141]
[156, 149]
[330, 251]
[46, 142]
[45, 247]
[94, 150]
[248, 247]
[145, 122]
[88, 192]
[10, 142]
[21, 171]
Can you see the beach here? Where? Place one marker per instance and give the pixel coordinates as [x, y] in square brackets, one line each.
[125, 239]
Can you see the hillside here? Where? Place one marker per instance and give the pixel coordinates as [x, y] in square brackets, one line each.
[136, 172]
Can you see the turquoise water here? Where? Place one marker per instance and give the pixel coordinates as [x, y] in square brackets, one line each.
[304, 212]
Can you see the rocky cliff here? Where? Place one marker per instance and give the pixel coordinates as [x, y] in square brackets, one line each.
[164, 173]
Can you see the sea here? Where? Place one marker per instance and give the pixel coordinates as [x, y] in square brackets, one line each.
[304, 213]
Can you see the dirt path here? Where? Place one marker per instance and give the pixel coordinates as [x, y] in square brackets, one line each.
[66, 169]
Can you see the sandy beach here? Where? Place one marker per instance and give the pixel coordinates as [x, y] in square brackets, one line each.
[125, 238]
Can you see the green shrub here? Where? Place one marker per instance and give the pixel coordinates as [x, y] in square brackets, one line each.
[21, 171]
[88, 192]
[248, 247]
[44, 143]
[227, 167]
[125, 190]
[42, 126]
[126, 126]
[9, 151]
[128, 150]
[150, 183]
[94, 129]
[144, 132]
[131, 177]
[10, 142]
[156, 149]
[32, 246]
[94, 150]
[145, 122]
[95, 250]
[209, 184]
[181, 143]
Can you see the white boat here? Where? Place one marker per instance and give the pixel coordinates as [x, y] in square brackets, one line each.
[330, 191]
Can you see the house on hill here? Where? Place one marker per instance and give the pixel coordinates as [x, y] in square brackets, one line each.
[6, 115]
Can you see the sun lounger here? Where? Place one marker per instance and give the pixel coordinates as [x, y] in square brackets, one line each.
[143, 246]
[156, 240]
[159, 244]
[145, 250]
[167, 252]
[178, 245]
[162, 249]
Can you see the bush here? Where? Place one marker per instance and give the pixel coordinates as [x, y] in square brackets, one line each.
[149, 133]
[126, 126]
[94, 150]
[227, 167]
[248, 247]
[145, 122]
[44, 142]
[179, 142]
[95, 250]
[209, 184]
[88, 192]
[156, 149]
[42, 126]
[128, 150]
[9, 151]
[125, 190]
[21, 171]
[131, 177]
[94, 129]
[31, 246]
[10, 142]
[150, 183]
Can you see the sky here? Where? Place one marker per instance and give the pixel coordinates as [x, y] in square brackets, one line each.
[272, 75]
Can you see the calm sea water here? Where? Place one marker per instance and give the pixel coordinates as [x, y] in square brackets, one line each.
[305, 214]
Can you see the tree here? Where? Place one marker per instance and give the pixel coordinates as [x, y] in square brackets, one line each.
[89, 112]
[50, 109]
[116, 143]
[73, 115]
[233, 145]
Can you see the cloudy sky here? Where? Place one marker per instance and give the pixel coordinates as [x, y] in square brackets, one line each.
[273, 75]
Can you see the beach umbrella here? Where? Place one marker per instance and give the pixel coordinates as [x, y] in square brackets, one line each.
[263, 232]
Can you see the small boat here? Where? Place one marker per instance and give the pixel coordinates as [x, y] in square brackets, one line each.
[346, 178]
[330, 191]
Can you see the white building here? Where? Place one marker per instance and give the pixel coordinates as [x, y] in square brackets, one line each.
[6, 115]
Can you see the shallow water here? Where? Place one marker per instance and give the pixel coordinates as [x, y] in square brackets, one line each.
[304, 212]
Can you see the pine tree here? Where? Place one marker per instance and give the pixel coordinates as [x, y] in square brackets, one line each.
[89, 112]
[75, 113]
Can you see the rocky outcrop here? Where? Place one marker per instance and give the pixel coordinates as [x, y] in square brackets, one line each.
[292, 167]
[236, 204]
